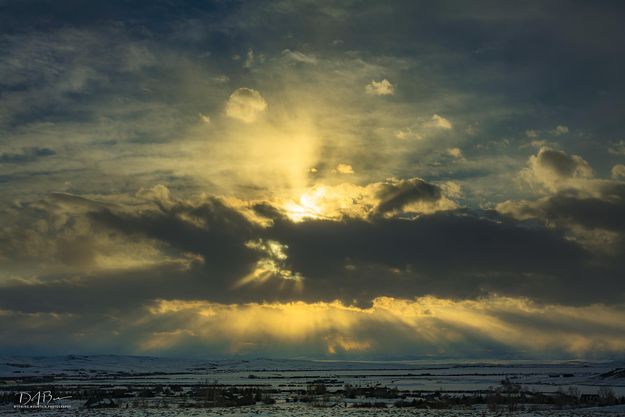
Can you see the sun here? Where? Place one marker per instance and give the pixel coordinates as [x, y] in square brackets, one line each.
[308, 206]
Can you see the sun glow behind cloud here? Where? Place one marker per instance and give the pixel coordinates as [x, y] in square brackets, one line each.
[325, 202]
[426, 325]
[272, 265]
[272, 155]
[333, 202]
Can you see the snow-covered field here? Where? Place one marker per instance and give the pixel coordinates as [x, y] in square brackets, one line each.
[303, 411]
[146, 386]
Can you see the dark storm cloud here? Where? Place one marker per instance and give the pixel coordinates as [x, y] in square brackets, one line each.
[458, 254]
[107, 292]
[155, 15]
[594, 221]
[220, 223]
[211, 230]
[570, 209]
[396, 195]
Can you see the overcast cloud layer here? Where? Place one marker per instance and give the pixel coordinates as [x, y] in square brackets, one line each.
[322, 176]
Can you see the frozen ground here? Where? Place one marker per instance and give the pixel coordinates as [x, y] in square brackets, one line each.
[417, 375]
[302, 411]
[126, 379]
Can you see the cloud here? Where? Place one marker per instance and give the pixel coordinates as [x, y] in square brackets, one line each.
[54, 236]
[118, 94]
[205, 118]
[408, 133]
[585, 207]
[455, 153]
[344, 169]
[438, 122]
[249, 59]
[423, 128]
[393, 256]
[375, 269]
[397, 195]
[593, 222]
[246, 105]
[617, 148]
[300, 57]
[618, 172]
[426, 325]
[560, 130]
[159, 194]
[271, 265]
[553, 170]
[26, 155]
[380, 88]
[390, 327]
[216, 249]
[411, 196]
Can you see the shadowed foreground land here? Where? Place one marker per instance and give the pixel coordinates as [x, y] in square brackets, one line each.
[133, 386]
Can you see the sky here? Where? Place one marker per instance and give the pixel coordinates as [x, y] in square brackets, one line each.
[313, 179]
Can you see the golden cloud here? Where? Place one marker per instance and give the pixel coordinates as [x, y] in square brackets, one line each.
[380, 88]
[246, 105]
[427, 322]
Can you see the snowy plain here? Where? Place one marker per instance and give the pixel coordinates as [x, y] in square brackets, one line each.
[288, 380]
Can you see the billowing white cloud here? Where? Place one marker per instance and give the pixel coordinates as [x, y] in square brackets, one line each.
[246, 105]
[380, 88]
